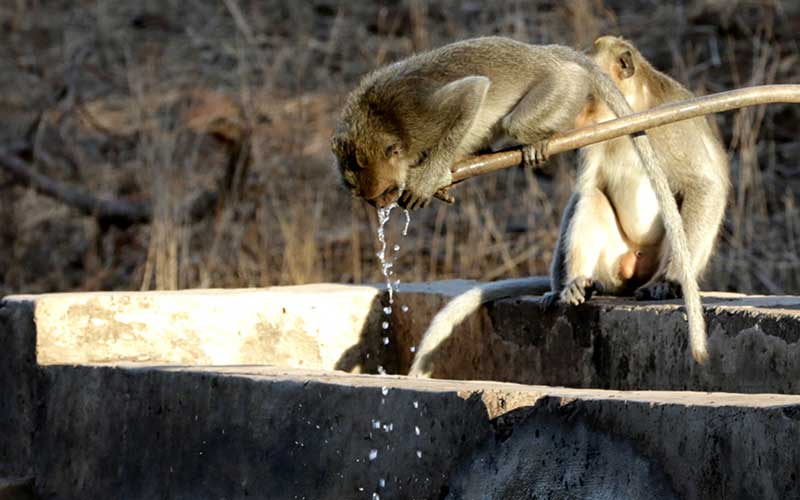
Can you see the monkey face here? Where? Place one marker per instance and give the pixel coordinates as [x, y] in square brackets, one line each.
[370, 171]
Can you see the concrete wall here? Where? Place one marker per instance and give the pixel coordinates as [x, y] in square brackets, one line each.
[191, 433]
[18, 382]
[129, 421]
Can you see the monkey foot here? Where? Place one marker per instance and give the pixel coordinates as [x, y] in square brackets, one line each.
[549, 300]
[660, 290]
[578, 291]
[534, 155]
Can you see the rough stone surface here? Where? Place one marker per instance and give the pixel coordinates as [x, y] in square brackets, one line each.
[17, 386]
[274, 433]
[547, 456]
[754, 343]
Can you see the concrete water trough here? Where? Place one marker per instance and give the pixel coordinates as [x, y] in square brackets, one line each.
[271, 393]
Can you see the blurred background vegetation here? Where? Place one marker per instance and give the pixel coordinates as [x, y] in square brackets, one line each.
[169, 144]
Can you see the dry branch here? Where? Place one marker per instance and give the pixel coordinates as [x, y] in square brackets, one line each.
[108, 211]
[637, 122]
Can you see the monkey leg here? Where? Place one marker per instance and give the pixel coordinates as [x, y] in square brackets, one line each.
[551, 105]
[702, 211]
[589, 251]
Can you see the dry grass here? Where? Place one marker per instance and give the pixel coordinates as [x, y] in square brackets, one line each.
[163, 101]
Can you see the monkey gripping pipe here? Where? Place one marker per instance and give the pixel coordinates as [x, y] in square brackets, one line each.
[630, 124]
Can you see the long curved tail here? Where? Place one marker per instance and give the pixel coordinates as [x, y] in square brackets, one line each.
[462, 306]
[671, 216]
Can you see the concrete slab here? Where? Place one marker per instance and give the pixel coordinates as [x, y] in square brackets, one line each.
[236, 432]
[606, 343]
[291, 326]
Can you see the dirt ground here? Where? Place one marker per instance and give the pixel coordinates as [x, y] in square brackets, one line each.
[203, 128]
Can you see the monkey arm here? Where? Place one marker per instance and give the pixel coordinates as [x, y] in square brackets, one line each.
[558, 269]
[455, 106]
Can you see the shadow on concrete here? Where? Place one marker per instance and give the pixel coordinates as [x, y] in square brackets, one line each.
[371, 354]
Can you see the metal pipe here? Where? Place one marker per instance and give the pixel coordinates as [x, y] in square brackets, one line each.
[655, 117]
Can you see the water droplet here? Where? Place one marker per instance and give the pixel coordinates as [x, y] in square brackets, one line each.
[404, 309]
[383, 217]
[419, 453]
[385, 325]
[382, 483]
[375, 496]
[408, 221]
[416, 404]
[413, 348]
[385, 340]
[396, 248]
[387, 310]
[381, 370]
[416, 430]
[384, 390]
[373, 454]
[376, 424]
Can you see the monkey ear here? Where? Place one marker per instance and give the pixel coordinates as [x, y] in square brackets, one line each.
[626, 67]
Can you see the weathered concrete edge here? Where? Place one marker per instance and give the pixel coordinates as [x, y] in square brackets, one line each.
[18, 386]
[710, 445]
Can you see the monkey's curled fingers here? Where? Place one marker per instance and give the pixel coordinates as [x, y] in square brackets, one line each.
[444, 195]
[660, 290]
[534, 155]
[578, 291]
[423, 183]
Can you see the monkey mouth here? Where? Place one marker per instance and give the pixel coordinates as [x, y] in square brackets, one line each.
[386, 198]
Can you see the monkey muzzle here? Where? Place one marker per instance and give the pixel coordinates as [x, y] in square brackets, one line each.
[386, 198]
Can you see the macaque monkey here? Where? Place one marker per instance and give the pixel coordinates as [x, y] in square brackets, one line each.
[612, 237]
[612, 234]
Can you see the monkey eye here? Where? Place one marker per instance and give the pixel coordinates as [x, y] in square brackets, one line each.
[392, 150]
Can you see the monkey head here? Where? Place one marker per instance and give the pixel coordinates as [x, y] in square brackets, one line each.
[371, 158]
[622, 62]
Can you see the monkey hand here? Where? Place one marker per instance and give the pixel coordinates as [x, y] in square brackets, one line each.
[422, 184]
[534, 155]
[665, 289]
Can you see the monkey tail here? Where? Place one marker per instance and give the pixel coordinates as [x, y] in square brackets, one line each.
[462, 306]
[671, 216]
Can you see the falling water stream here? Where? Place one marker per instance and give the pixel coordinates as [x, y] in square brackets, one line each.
[392, 287]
